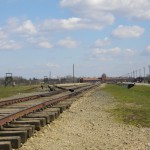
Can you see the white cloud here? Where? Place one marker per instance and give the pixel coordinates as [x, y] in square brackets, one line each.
[69, 3]
[144, 15]
[102, 42]
[128, 31]
[68, 43]
[111, 51]
[111, 55]
[27, 27]
[45, 44]
[129, 8]
[21, 26]
[52, 24]
[73, 23]
[3, 35]
[129, 52]
[9, 45]
[40, 42]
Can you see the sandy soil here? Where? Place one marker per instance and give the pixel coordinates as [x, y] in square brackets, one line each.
[87, 125]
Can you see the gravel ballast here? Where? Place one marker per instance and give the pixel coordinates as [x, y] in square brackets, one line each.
[88, 125]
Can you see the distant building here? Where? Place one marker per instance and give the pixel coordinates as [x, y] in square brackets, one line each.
[90, 80]
[104, 77]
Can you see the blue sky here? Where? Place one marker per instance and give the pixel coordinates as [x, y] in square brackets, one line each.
[97, 36]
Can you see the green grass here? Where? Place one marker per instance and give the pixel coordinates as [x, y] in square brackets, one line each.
[10, 91]
[133, 104]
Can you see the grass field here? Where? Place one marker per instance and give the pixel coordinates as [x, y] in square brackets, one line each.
[133, 104]
[10, 91]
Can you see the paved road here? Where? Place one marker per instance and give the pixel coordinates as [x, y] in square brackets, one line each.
[142, 84]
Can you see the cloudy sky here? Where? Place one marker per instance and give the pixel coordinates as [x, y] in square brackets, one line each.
[97, 36]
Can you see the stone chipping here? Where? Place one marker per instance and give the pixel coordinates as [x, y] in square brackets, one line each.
[88, 125]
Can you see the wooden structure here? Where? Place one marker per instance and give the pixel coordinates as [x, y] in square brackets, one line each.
[8, 79]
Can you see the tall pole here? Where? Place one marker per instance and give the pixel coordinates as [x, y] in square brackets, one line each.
[133, 74]
[149, 71]
[140, 72]
[49, 79]
[50, 75]
[144, 73]
[73, 73]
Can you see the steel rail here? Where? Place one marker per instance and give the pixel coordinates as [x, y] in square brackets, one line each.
[27, 98]
[16, 100]
[10, 117]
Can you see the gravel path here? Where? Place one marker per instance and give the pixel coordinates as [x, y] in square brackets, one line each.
[88, 126]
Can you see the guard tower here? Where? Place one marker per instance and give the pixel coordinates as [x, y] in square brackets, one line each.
[45, 79]
[8, 79]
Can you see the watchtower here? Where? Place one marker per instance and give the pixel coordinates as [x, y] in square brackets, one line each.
[45, 79]
[8, 79]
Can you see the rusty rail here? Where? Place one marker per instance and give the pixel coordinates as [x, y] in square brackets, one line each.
[22, 99]
[10, 117]
[16, 100]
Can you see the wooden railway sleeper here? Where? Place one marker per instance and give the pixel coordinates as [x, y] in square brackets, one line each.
[37, 119]
[22, 134]
[15, 141]
[42, 120]
[29, 130]
[5, 145]
[36, 123]
[39, 116]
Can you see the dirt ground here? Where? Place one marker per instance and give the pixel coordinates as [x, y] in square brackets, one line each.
[87, 125]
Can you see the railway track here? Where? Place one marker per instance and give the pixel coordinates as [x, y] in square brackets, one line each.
[20, 117]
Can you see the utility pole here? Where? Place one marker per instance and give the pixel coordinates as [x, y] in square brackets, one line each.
[133, 74]
[136, 73]
[49, 80]
[144, 73]
[73, 73]
[50, 75]
[139, 72]
[149, 71]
